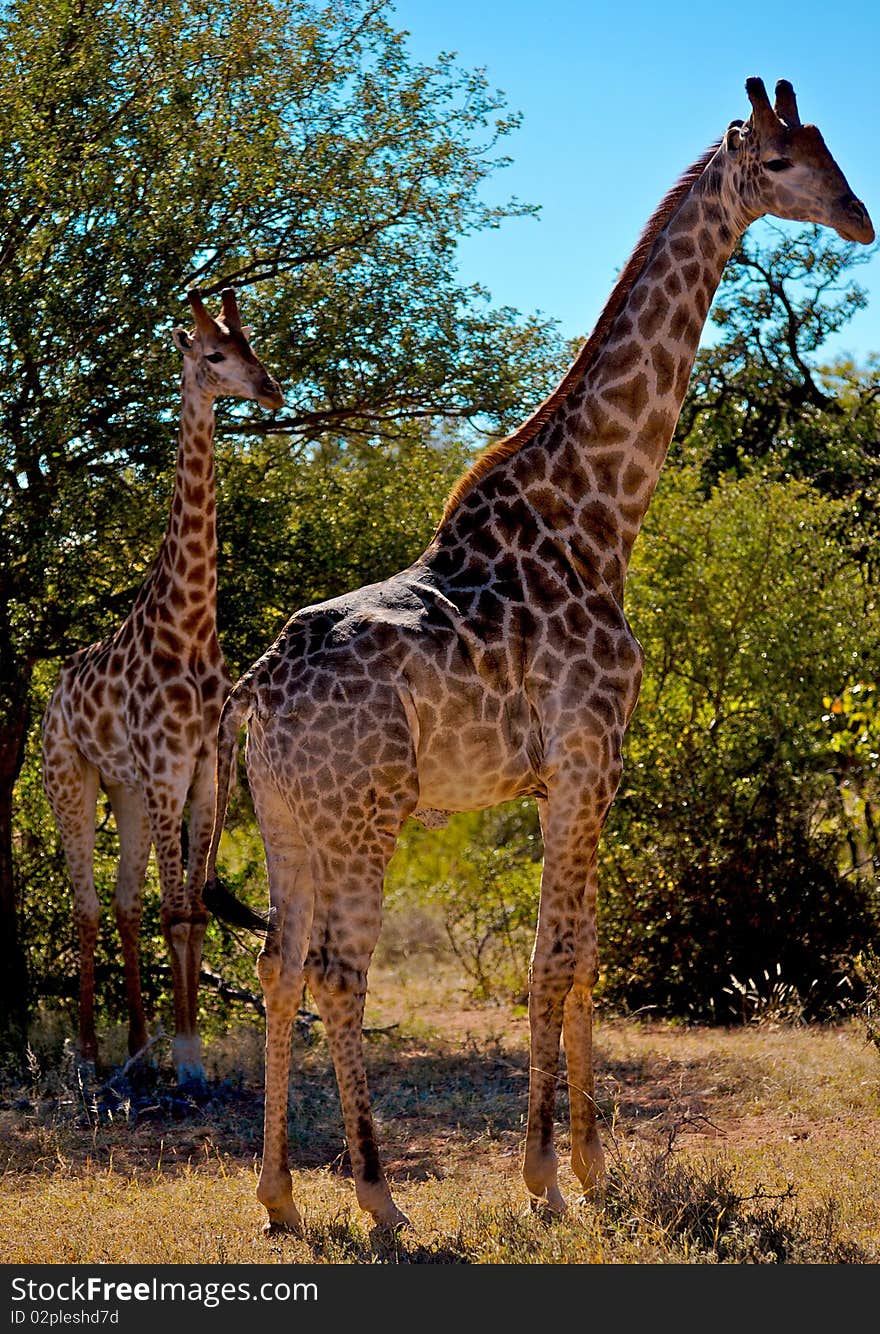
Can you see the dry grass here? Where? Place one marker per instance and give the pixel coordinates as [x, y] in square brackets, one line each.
[736, 1146]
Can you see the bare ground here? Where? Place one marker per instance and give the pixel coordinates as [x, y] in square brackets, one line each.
[774, 1122]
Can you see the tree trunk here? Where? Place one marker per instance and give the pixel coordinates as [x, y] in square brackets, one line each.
[13, 972]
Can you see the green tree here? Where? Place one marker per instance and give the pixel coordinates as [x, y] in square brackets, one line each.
[301, 152]
[759, 392]
[297, 528]
[722, 852]
[851, 719]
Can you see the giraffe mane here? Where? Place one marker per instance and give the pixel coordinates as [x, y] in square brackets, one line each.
[511, 444]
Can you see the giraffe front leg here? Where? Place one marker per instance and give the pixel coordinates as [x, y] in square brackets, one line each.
[134, 851]
[86, 913]
[164, 806]
[201, 823]
[186, 1047]
[72, 788]
[587, 1157]
[562, 975]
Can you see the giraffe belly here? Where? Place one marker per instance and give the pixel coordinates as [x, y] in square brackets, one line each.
[471, 790]
[471, 748]
[471, 766]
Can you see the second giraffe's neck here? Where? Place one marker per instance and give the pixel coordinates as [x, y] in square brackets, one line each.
[587, 464]
[189, 552]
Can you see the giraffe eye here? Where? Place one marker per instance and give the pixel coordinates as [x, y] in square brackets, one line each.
[215, 357]
[778, 164]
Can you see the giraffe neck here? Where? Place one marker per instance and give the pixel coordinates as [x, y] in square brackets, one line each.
[621, 418]
[188, 559]
[588, 471]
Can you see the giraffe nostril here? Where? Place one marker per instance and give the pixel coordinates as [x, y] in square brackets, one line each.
[857, 209]
[855, 221]
[862, 218]
[270, 393]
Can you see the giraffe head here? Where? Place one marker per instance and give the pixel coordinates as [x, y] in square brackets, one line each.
[221, 356]
[785, 168]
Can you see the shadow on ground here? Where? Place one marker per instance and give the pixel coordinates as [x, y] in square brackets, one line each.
[423, 1099]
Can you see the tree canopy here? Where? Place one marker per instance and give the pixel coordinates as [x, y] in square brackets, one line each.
[299, 153]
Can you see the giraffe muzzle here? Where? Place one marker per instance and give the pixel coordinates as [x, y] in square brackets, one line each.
[855, 224]
[269, 394]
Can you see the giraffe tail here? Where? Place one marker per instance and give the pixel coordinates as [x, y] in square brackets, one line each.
[218, 897]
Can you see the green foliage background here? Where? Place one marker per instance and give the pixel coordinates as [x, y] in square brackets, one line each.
[310, 161]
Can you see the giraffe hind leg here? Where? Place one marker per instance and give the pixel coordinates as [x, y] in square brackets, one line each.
[71, 785]
[280, 970]
[344, 936]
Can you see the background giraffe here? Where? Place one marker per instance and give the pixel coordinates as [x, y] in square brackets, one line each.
[499, 664]
[137, 713]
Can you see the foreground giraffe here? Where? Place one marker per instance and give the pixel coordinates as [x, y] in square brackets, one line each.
[137, 713]
[500, 664]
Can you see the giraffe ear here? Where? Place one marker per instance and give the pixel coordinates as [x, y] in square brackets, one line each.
[733, 136]
[182, 341]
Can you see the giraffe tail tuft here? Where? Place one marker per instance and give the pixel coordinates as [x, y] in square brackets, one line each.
[223, 904]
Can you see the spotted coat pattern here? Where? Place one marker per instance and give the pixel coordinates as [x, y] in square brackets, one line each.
[137, 713]
[499, 664]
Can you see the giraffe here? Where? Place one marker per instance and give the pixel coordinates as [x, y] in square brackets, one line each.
[499, 664]
[137, 712]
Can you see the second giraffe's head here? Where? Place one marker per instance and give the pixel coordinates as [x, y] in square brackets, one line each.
[221, 356]
[784, 167]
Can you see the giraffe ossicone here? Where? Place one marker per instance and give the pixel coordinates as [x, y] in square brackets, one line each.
[137, 712]
[499, 664]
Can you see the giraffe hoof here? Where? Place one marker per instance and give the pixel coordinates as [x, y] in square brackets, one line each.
[593, 1189]
[389, 1222]
[283, 1219]
[274, 1228]
[192, 1082]
[588, 1165]
[384, 1236]
[549, 1206]
[592, 1200]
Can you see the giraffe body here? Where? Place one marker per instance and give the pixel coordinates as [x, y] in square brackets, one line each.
[137, 712]
[500, 664]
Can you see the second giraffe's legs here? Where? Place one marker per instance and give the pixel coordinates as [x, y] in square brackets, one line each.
[164, 806]
[201, 823]
[75, 817]
[134, 851]
[72, 788]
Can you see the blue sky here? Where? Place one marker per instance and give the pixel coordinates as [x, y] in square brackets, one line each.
[618, 98]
